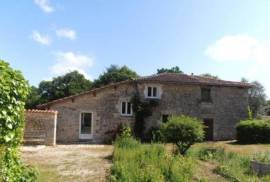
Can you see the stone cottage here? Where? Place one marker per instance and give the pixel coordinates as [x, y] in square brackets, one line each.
[93, 114]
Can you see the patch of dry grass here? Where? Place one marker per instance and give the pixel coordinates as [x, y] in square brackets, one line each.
[70, 162]
[238, 148]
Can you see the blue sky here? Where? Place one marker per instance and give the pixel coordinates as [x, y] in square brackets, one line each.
[46, 38]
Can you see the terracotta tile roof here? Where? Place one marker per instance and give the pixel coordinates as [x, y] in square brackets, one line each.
[41, 111]
[191, 80]
[163, 78]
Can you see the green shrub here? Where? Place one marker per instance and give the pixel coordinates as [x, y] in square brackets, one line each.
[13, 94]
[126, 142]
[253, 131]
[148, 162]
[183, 131]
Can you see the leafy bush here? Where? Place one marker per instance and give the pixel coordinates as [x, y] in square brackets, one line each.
[13, 93]
[253, 131]
[183, 131]
[136, 162]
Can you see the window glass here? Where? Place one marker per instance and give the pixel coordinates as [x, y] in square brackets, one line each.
[149, 92]
[154, 91]
[128, 108]
[86, 123]
[206, 94]
[123, 107]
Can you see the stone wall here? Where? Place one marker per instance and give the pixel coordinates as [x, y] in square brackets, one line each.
[105, 107]
[40, 127]
[228, 107]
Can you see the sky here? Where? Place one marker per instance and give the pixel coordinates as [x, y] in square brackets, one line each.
[48, 38]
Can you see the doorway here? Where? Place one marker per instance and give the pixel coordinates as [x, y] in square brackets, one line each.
[208, 129]
[86, 125]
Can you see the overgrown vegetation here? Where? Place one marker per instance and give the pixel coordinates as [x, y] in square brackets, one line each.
[183, 131]
[136, 162]
[13, 94]
[253, 131]
[232, 166]
[142, 110]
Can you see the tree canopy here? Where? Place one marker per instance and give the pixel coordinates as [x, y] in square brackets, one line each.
[73, 83]
[174, 69]
[61, 86]
[115, 74]
[256, 96]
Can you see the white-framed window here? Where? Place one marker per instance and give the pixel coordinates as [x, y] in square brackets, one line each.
[126, 109]
[152, 92]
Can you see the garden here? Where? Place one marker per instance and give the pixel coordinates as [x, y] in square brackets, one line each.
[182, 160]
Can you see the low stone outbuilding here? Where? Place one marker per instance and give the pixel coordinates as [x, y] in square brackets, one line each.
[94, 114]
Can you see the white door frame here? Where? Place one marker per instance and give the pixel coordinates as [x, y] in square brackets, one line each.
[86, 136]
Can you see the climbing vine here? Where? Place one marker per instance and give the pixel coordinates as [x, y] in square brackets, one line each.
[13, 93]
[142, 110]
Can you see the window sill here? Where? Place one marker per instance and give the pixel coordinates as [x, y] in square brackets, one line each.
[153, 98]
[127, 115]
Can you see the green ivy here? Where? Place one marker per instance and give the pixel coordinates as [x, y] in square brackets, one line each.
[13, 93]
[142, 110]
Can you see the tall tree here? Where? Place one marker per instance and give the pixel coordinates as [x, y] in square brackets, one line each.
[33, 98]
[61, 86]
[115, 74]
[174, 69]
[256, 96]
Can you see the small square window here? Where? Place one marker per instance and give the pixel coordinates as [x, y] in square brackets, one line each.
[126, 109]
[165, 118]
[206, 95]
[152, 92]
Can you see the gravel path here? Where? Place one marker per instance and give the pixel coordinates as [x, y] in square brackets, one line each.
[70, 162]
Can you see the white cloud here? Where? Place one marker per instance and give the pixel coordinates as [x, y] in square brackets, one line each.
[239, 48]
[45, 5]
[252, 53]
[70, 61]
[66, 33]
[42, 39]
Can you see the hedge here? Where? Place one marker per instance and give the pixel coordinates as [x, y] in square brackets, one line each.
[253, 131]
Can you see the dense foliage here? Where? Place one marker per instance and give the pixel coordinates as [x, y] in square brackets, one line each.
[136, 162]
[253, 131]
[115, 74]
[13, 94]
[142, 110]
[73, 83]
[256, 97]
[183, 131]
[174, 69]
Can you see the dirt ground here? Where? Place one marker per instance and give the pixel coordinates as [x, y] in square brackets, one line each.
[69, 162]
